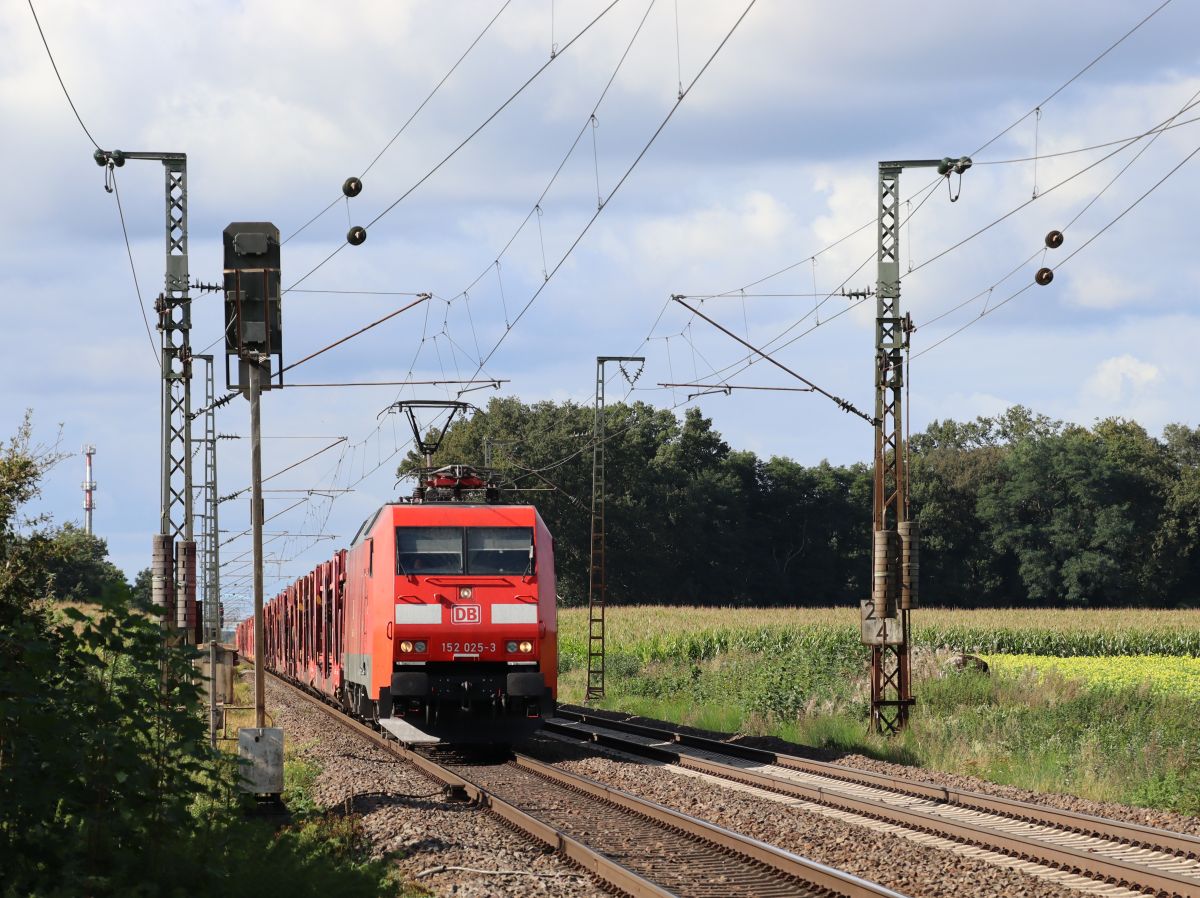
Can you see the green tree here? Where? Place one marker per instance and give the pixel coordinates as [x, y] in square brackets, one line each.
[78, 562]
[139, 590]
[1078, 511]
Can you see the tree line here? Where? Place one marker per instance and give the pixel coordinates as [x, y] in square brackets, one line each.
[1015, 509]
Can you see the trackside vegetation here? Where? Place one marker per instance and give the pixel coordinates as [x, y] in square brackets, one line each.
[1112, 716]
[107, 784]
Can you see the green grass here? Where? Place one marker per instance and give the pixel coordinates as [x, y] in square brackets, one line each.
[804, 679]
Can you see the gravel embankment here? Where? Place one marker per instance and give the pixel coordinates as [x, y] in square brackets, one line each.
[1144, 816]
[873, 854]
[404, 813]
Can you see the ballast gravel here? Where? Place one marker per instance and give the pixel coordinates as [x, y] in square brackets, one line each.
[1181, 823]
[405, 815]
[907, 867]
[472, 854]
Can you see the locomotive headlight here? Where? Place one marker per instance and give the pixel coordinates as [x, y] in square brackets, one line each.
[465, 593]
[420, 645]
[526, 646]
[511, 647]
[406, 646]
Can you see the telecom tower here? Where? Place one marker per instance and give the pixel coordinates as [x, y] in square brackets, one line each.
[89, 488]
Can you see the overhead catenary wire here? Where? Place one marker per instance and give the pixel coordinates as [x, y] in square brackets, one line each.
[1039, 196]
[872, 222]
[290, 467]
[111, 173]
[133, 268]
[411, 117]
[1157, 132]
[841, 403]
[425, 177]
[1075, 252]
[59, 76]
[362, 330]
[1058, 90]
[624, 177]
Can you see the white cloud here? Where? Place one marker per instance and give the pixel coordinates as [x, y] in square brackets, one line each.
[1121, 379]
[771, 158]
[1107, 290]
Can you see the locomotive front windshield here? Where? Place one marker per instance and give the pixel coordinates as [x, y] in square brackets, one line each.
[464, 550]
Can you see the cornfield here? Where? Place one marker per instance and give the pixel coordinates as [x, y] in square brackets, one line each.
[661, 633]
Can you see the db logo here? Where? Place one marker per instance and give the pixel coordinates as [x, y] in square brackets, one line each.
[465, 614]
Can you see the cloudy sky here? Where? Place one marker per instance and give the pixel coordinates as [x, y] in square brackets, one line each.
[770, 158]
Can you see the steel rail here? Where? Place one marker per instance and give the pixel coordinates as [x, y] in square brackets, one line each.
[836, 881]
[603, 867]
[1102, 827]
[1128, 874]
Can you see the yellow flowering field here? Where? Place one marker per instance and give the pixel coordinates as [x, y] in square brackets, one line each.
[1162, 674]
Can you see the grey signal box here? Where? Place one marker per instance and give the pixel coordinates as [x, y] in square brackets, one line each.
[253, 310]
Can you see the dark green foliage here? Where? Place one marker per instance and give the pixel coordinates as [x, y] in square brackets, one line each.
[107, 783]
[79, 563]
[689, 520]
[139, 591]
[1015, 509]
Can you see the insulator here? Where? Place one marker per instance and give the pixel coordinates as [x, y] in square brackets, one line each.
[1054, 239]
[101, 158]
[945, 165]
[883, 573]
[352, 186]
[1044, 276]
[118, 158]
[910, 550]
[356, 235]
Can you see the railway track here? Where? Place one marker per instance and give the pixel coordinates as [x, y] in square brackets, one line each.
[632, 845]
[1121, 858]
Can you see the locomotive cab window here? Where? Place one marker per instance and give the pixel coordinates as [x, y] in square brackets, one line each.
[429, 550]
[464, 550]
[500, 550]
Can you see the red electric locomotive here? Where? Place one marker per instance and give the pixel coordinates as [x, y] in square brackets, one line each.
[439, 622]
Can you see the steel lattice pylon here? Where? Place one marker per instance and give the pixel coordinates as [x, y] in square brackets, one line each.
[894, 565]
[205, 496]
[172, 569]
[891, 692]
[597, 589]
[175, 325]
[597, 571]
